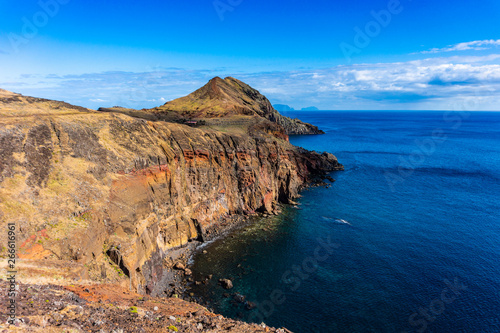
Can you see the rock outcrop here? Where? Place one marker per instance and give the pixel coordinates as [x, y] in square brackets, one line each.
[118, 194]
[227, 97]
[108, 308]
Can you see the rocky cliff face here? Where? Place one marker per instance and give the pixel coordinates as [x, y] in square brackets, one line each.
[231, 97]
[295, 126]
[118, 194]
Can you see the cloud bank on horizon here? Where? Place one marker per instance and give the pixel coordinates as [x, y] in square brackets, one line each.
[441, 83]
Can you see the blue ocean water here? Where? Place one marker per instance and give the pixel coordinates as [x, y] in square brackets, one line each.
[421, 252]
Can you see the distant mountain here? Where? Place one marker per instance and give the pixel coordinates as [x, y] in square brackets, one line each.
[229, 97]
[310, 108]
[283, 107]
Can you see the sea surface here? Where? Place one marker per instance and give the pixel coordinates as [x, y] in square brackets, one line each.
[420, 251]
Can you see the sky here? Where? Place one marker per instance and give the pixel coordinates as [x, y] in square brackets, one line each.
[335, 55]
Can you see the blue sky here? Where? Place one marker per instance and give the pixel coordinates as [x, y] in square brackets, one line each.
[378, 54]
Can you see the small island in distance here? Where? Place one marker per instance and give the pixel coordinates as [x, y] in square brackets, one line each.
[285, 108]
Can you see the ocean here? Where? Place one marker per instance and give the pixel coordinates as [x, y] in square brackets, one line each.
[406, 240]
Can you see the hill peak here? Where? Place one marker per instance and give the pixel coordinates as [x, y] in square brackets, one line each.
[223, 98]
[220, 98]
[227, 87]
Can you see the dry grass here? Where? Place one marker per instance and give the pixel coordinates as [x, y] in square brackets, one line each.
[14, 201]
[41, 272]
[17, 105]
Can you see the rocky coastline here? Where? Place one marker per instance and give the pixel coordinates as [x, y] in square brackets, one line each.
[116, 199]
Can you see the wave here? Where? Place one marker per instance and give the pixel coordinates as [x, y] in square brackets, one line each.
[335, 220]
[198, 249]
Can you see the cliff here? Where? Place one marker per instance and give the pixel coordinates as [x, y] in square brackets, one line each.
[223, 98]
[114, 196]
[86, 180]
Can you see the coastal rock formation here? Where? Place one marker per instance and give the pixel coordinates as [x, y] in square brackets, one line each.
[119, 195]
[226, 283]
[222, 98]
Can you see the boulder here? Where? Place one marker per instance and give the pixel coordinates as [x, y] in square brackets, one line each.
[180, 266]
[226, 283]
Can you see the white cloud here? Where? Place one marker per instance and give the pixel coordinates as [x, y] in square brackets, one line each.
[432, 83]
[474, 45]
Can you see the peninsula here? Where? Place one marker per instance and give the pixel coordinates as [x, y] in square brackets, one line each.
[108, 204]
